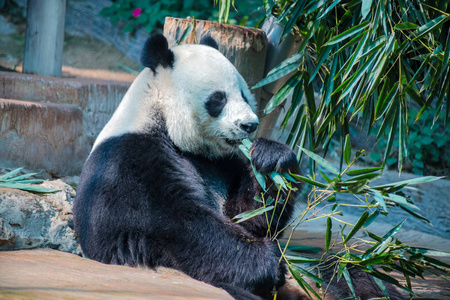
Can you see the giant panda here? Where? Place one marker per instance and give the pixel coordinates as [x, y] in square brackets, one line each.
[164, 178]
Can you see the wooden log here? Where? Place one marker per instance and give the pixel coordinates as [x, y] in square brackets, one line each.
[245, 47]
[44, 37]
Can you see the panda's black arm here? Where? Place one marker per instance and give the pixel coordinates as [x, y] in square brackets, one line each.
[267, 156]
[208, 247]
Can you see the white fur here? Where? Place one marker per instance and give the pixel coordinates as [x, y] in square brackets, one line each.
[180, 95]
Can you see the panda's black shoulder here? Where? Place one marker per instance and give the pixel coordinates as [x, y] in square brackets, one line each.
[156, 52]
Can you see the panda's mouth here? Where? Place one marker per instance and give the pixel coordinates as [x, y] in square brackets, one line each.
[232, 142]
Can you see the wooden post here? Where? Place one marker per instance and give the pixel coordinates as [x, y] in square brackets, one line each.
[44, 37]
[244, 47]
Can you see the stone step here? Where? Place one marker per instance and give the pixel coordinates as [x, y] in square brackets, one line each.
[45, 136]
[79, 91]
[51, 123]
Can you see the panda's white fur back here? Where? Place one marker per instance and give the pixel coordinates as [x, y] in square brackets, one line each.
[179, 94]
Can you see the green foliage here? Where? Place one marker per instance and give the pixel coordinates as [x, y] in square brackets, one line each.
[366, 59]
[427, 143]
[371, 61]
[244, 13]
[355, 247]
[152, 14]
[12, 180]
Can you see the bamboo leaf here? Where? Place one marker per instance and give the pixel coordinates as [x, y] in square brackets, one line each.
[430, 26]
[365, 8]
[278, 180]
[418, 180]
[348, 279]
[10, 174]
[299, 5]
[308, 274]
[363, 171]
[327, 179]
[304, 285]
[284, 91]
[322, 162]
[406, 26]
[325, 53]
[26, 187]
[328, 234]
[400, 200]
[431, 252]
[21, 177]
[381, 285]
[368, 176]
[301, 259]
[301, 248]
[245, 151]
[310, 181]
[347, 149]
[377, 196]
[414, 214]
[329, 9]
[436, 262]
[387, 238]
[286, 67]
[446, 54]
[357, 226]
[371, 218]
[314, 5]
[35, 181]
[348, 33]
[260, 178]
[253, 213]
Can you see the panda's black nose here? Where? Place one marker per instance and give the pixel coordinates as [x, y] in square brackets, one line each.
[249, 127]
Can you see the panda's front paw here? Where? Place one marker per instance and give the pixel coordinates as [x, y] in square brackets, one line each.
[268, 156]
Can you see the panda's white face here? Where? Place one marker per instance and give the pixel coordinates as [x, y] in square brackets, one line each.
[210, 108]
[206, 104]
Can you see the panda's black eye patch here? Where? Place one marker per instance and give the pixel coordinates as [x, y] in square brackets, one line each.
[215, 104]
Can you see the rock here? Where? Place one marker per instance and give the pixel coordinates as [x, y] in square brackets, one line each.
[30, 220]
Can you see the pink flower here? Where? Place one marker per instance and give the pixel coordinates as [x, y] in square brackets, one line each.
[136, 12]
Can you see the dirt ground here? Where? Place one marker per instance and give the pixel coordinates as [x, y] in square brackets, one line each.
[82, 56]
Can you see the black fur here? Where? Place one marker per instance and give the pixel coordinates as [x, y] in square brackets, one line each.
[270, 156]
[156, 52]
[209, 41]
[141, 201]
[215, 104]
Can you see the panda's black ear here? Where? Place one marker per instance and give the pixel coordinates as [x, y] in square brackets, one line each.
[209, 41]
[156, 52]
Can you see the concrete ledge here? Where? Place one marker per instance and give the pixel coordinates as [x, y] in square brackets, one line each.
[42, 135]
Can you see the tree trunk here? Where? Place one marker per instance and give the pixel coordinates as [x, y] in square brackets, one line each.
[44, 37]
